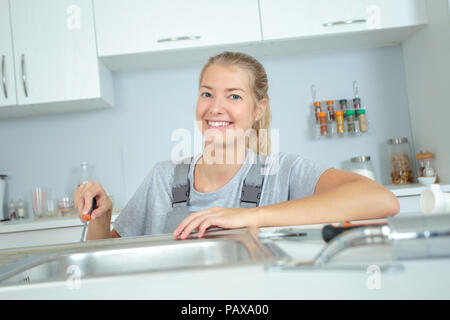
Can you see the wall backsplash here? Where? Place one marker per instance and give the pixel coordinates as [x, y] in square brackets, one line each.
[124, 143]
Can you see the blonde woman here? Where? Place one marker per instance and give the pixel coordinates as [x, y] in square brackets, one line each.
[236, 182]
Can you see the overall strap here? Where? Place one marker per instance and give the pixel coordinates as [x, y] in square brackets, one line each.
[181, 184]
[253, 183]
[251, 188]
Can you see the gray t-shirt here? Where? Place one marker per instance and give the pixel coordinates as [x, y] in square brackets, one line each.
[290, 177]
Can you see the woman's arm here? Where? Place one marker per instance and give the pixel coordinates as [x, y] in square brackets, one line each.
[339, 196]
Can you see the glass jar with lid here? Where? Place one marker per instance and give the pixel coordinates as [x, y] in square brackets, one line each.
[363, 166]
[426, 165]
[401, 170]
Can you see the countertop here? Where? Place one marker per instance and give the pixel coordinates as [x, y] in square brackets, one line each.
[413, 189]
[416, 279]
[43, 223]
[70, 221]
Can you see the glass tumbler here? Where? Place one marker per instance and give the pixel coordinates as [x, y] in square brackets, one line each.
[39, 199]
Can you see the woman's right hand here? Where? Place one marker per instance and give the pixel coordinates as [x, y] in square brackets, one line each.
[84, 195]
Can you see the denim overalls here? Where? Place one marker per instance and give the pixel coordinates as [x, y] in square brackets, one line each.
[250, 195]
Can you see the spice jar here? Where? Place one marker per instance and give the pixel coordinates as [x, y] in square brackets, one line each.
[400, 163]
[12, 210]
[361, 115]
[21, 209]
[363, 166]
[343, 104]
[356, 104]
[323, 123]
[340, 122]
[317, 109]
[330, 108]
[350, 119]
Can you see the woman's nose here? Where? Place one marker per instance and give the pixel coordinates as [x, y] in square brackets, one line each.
[216, 106]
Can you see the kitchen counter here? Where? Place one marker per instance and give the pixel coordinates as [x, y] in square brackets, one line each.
[412, 189]
[43, 223]
[61, 222]
[417, 279]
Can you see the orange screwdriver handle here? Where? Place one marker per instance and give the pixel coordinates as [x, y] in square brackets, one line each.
[87, 216]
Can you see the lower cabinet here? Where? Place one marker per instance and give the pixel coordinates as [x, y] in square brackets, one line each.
[409, 204]
[40, 237]
[43, 233]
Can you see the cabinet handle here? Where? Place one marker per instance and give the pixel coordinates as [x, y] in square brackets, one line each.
[5, 92]
[339, 23]
[24, 77]
[182, 38]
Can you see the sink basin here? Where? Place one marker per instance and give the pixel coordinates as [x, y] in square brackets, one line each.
[137, 255]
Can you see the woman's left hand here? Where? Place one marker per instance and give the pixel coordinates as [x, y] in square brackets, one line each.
[227, 218]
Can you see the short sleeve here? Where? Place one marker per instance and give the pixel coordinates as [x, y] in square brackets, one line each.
[145, 212]
[130, 221]
[303, 177]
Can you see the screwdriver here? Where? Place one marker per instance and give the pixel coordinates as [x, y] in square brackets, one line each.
[330, 231]
[87, 217]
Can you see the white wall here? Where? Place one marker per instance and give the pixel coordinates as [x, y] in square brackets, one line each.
[427, 64]
[125, 142]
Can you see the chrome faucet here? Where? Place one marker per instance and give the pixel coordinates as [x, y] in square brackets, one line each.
[413, 237]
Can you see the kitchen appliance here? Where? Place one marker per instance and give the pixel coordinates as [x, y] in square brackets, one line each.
[2, 196]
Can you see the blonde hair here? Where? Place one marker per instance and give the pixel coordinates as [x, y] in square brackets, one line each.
[259, 142]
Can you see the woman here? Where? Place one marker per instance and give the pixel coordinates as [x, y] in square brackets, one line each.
[225, 186]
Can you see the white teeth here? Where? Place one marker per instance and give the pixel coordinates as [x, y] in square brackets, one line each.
[218, 123]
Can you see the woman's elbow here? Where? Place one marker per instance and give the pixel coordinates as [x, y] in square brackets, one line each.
[392, 206]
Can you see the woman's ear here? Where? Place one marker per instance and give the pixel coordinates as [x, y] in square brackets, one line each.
[260, 108]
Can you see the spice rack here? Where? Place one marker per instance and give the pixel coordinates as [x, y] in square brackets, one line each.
[340, 117]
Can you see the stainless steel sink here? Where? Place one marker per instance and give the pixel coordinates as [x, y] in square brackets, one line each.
[135, 255]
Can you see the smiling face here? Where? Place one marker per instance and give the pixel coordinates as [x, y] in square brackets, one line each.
[226, 105]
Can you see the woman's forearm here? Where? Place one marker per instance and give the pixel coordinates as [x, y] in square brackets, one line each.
[100, 228]
[355, 200]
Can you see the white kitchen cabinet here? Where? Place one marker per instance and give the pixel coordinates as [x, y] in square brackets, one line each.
[54, 57]
[136, 26]
[304, 18]
[14, 234]
[31, 238]
[409, 196]
[8, 88]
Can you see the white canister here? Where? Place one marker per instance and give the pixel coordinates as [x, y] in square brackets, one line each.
[433, 200]
[362, 165]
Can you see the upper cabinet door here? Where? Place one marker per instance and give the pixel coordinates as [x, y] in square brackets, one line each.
[54, 50]
[7, 85]
[298, 18]
[132, 26]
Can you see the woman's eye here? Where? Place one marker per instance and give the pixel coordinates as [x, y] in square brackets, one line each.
[235, 97]
[206, 94]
